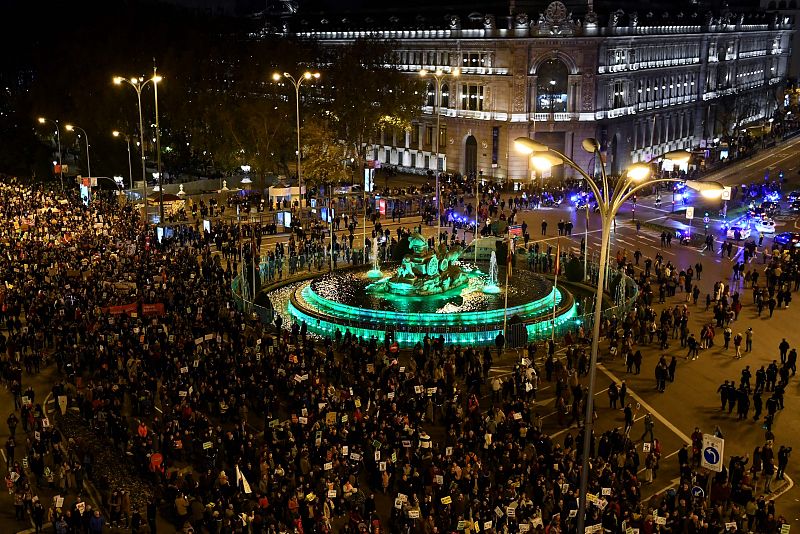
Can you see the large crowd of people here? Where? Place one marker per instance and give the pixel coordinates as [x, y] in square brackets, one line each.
[239, 427]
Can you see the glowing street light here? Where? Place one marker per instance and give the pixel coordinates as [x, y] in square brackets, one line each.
[138, 85]
[72, 127]
[117, 133]
[609, 199]
[44, 120]
[297, 83]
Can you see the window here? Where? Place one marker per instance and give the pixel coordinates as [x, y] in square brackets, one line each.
[473, 59]
[445, 101]
[442, 138]
[618, 100]
[429, 135]
[415, 135]
[430, 96]
[472, 97]
[551, 87]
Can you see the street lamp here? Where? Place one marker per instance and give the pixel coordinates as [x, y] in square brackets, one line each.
[610, 197]
[439, 76]
[72, 127]
[297, 83]
[138, 84]
[127, 138]
[43, 120]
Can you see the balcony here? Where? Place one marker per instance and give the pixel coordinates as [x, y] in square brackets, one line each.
[557, 117]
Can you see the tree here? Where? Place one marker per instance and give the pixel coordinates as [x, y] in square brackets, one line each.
[323, 154]
[365, 91]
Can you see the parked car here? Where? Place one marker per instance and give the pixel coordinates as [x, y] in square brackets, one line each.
[794, 195]
[765, 226]
[738, 232]
[795, 206]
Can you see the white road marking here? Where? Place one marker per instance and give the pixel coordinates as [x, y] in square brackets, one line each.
[675, 430]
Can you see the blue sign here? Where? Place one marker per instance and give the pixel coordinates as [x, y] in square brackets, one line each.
[697, 491]
[711, 455]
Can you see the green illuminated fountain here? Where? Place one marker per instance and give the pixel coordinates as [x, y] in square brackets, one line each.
[431, 293]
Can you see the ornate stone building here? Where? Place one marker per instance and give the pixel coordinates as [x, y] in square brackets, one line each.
[642, 84]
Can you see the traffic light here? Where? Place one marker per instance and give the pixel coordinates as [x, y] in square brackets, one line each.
[705, 220]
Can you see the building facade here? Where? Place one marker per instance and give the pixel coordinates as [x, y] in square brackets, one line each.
[642, 86]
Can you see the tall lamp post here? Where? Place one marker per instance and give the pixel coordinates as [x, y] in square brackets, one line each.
[439, 76]
[138, 84]
[127, 138]
[43, 120]
[297, 83]
[610, 197]
[72, 127]
[156, 78]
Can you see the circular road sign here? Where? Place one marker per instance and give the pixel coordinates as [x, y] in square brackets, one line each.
[711, 455]
[697, 491]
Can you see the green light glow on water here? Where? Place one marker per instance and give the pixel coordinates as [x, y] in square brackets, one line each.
[471, 314]
[460, 336]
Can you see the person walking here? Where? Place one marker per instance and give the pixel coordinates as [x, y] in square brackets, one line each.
[783, 348]
[737, 344]
[628, 418]
[783, 461]
[757, 405]
[649, 425]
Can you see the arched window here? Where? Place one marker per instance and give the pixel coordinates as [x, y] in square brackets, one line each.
[445, 99]
[431, 95]
[552, 87]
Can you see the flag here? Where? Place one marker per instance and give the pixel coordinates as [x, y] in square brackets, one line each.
[558, 258]
[510, 261]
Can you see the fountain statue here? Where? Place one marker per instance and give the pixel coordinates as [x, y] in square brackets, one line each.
[491, 286]
[375, 272]
[426, 272]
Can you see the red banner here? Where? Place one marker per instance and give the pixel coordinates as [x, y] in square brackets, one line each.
[119, 310]
[153, 309]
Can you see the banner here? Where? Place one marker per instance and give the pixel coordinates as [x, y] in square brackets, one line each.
[126, 308]
[153, 309]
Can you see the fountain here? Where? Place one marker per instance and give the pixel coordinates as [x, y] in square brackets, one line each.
[491, 286]
[432, 292]
[375, 272]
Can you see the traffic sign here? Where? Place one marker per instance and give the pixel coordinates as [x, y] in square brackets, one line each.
[713, 448]
[690, 212]
[697, 491]
[726, 193]
[705, 219]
